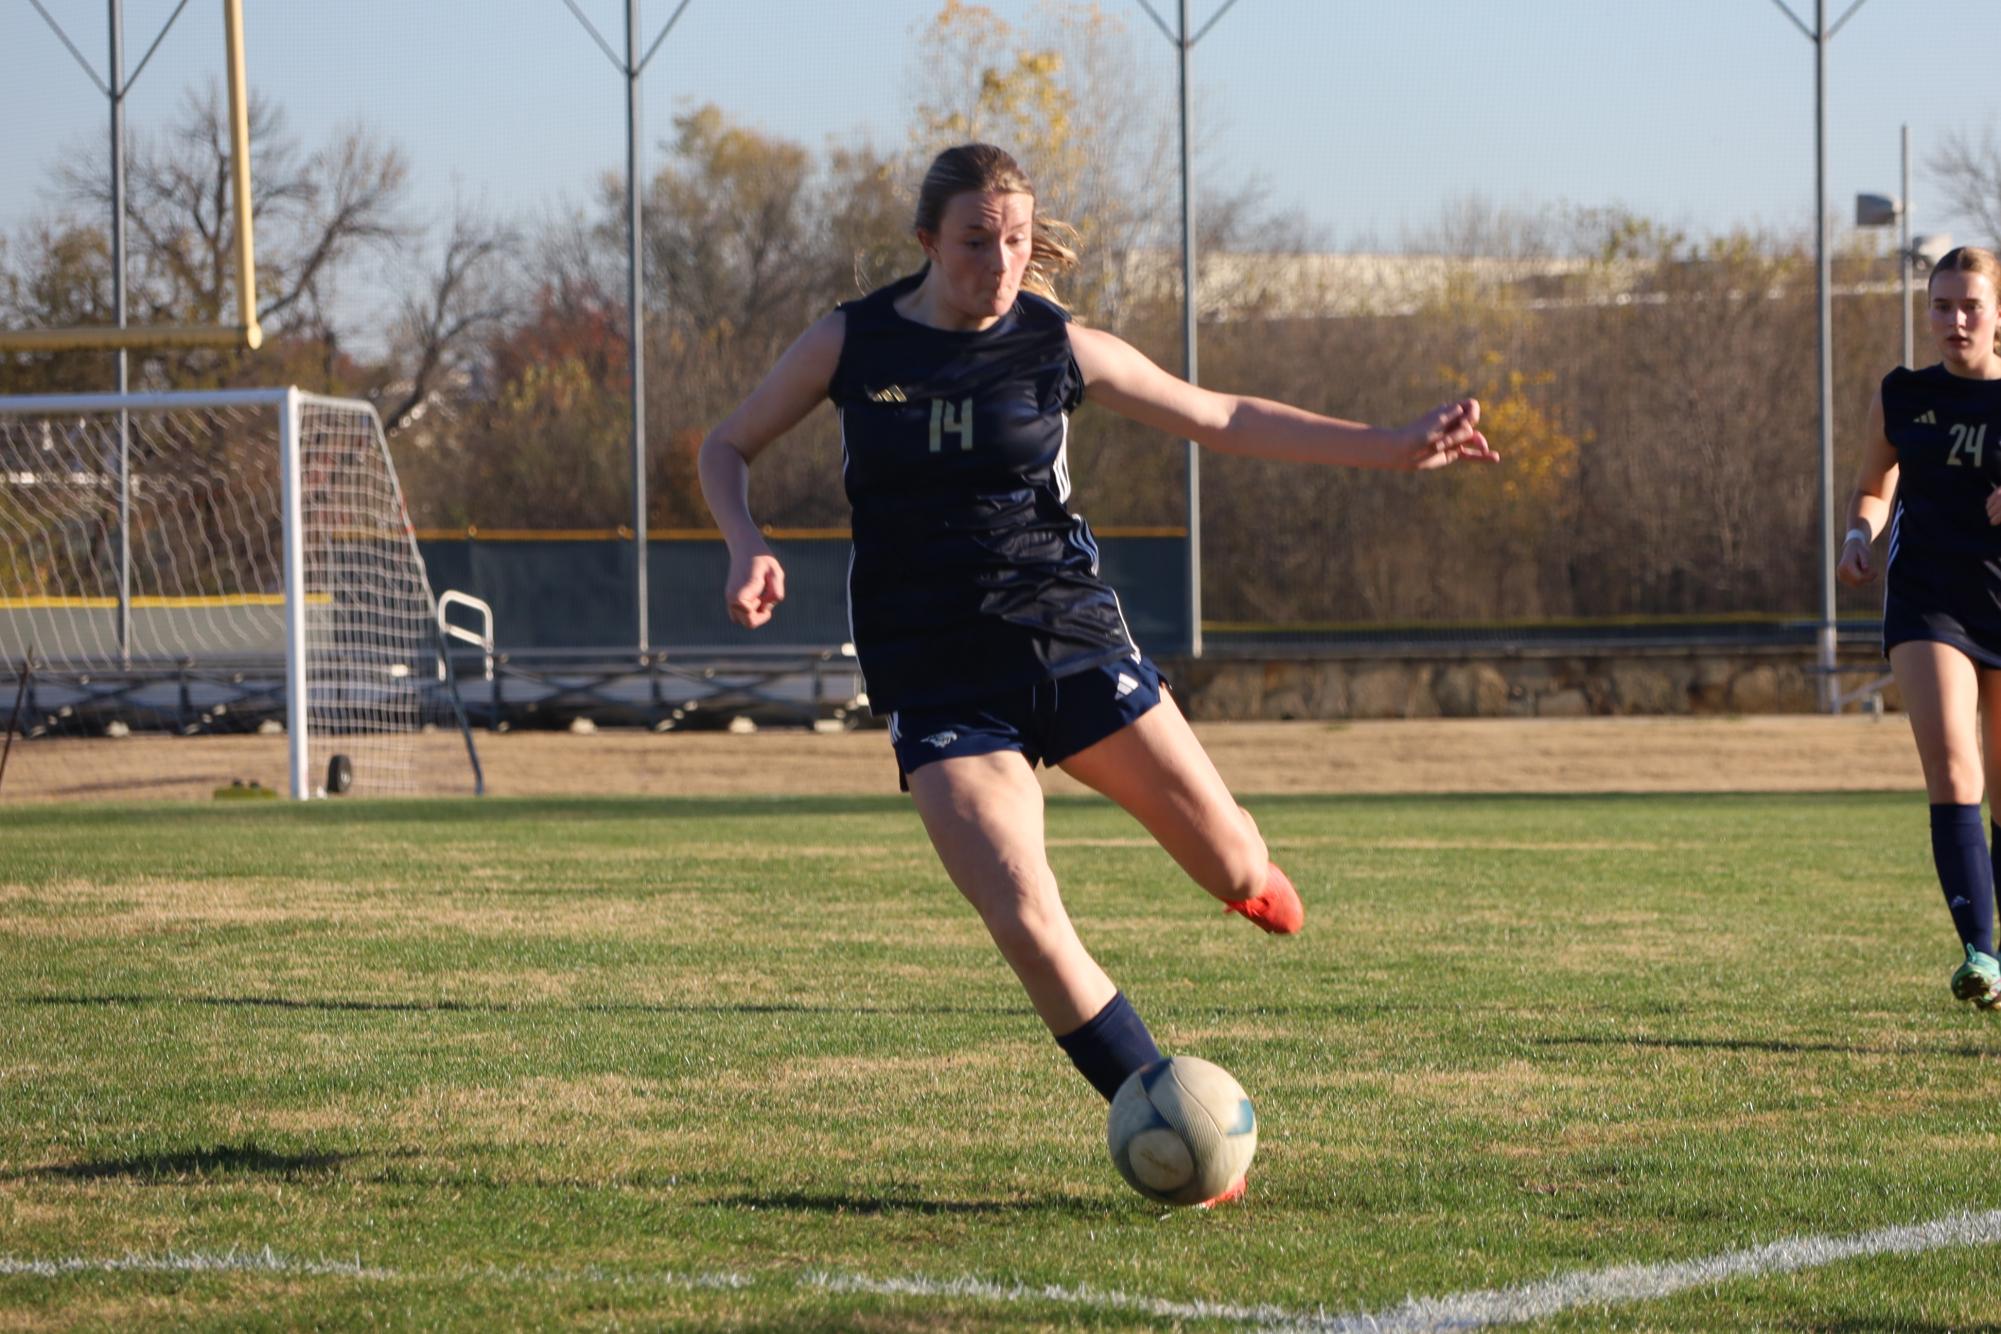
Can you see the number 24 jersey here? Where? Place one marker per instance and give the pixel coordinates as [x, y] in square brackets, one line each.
[1944, 563]
[1947, 433]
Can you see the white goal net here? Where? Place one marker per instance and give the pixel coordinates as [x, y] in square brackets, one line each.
[234, 564]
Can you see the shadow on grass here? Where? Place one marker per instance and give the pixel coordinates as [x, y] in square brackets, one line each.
[221, 1160]
[862, 1204]
[1777, 1046]
[455, 811]
[342, 1005]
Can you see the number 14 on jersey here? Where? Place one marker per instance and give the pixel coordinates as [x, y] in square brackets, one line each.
[1968, 443]
[949, 418]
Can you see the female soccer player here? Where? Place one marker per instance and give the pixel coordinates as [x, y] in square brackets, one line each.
[977, 611]
[1934, 443]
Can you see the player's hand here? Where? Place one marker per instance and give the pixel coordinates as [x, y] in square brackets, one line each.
[756, 584]
[1994, 506]
[1857, 565]
[1446, 435]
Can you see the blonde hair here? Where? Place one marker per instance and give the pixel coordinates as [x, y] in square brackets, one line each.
[1971, 259]
[984, 168]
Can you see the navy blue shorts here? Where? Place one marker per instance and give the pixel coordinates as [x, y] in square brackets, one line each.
[1963, 614]
[1047, 722]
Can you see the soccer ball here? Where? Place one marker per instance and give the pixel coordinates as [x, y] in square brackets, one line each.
[1181, 1130]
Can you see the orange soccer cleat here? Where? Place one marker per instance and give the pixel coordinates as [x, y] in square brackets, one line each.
[1276, 907]
[1231, 1194]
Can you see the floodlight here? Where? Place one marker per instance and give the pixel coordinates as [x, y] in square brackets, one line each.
[1877, 210]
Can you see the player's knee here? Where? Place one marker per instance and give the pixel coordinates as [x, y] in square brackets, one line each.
[1954, 776]
[1022, 919]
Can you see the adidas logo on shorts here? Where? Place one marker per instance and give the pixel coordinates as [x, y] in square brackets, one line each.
[1927, 418]
[893, 394]
[1127, 684]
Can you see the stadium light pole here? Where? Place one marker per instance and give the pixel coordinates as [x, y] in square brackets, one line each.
[117, 90]
[114, 93]
[1881, 211]
[1184, 46]
[631, 67]
[1905, 259]
[1820, 34]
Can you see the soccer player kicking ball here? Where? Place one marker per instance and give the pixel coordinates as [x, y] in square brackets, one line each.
[977, 611]
[1934, 443]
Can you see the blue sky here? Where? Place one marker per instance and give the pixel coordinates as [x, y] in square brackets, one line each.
[1362, 117]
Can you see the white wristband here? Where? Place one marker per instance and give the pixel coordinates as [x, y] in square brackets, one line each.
[1858, 535]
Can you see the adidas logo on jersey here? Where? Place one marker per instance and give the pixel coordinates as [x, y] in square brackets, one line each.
[1928, 418]
[893, 394]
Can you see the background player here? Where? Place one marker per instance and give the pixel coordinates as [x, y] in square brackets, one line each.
[1934, 442]
[980, 620]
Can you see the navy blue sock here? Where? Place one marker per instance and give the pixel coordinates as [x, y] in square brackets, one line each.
[1965, 871]
[1994, 858]
[1110, 1046]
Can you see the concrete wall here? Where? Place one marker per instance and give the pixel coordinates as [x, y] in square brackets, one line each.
[1679, 682]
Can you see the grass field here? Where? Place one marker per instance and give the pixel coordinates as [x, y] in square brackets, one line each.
[752, 1064]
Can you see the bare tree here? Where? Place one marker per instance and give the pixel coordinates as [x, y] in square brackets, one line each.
[445, 323]
[312, 214]
[1971, 176]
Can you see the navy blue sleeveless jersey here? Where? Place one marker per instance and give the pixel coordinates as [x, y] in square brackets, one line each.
[969, 574]
[1944, 567]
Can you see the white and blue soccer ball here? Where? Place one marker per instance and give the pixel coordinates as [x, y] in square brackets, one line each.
[1181, 1130]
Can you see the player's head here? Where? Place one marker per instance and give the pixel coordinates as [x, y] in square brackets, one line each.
[1965, 284]
[977, 221]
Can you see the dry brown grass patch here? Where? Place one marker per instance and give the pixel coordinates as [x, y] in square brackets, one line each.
[525, 1112]
[1521, 1086]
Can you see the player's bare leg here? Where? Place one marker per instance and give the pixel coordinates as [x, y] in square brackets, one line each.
[984, 815]
[1158, 771]
[1942, 694]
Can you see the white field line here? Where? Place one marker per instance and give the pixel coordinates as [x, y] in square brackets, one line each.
[1459, 1311]
[1640, 1283]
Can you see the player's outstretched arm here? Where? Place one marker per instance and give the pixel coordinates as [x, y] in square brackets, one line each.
[1869, 502]
[755, 584]
[1117, 375]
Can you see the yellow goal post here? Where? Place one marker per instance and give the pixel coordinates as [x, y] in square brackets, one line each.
[247, 333]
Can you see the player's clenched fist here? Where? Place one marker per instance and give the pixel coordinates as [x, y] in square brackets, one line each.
[756, 584]
[1856, 568]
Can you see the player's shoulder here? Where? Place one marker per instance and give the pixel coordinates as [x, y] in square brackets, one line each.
[1904, 385]
[875, 306]
[1040, 309]
[819, 348]
[1898, 378]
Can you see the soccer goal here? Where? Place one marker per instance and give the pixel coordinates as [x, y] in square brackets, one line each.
[206, 564]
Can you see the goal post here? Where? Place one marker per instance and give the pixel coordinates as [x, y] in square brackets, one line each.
[246, 332]
[242, 562]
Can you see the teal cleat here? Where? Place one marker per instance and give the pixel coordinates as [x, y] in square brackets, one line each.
[1978, 980]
